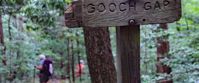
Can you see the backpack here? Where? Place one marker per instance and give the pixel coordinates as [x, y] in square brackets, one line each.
[47, 67]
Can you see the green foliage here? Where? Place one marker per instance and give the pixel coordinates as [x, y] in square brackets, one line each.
[183, 56]
[41, 34]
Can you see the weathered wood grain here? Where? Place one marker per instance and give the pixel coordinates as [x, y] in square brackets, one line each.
[73, 15]
[128, 53]
[102, 13]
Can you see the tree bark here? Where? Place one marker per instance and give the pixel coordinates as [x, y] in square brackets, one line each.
[69, 60]
[3, 51]
[1, 32]
[99, 55]
[78, 56]
[72, 62]
[9, 28]
[1, 42]
[162, 52]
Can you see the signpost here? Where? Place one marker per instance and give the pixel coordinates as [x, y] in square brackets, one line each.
[128, 51]
[97, 13]
[127, 15]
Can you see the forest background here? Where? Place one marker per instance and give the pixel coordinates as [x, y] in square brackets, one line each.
[33, 27]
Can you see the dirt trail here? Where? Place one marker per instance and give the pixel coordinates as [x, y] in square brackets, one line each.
[57, 81]
[51, 81]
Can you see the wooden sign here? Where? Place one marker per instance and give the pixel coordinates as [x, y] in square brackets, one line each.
[100, 13]
[73, 15]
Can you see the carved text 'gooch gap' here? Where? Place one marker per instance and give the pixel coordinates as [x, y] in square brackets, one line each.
[124, 6]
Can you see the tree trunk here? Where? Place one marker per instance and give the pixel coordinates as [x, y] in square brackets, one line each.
[1, 41]
[3, 51]
[99, 55]
[20, 23]
[1, 32]
[78, 56]
[69, 60]
[162, 52]
[9, 28]
[73, 62]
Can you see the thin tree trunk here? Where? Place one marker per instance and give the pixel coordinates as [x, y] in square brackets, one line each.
[1, 32]
[162, 52]
[72, 64]
[21, 21]
[9, 28]
[78, 57]
[80, 76]
[99, 55]
[10, 39]
[3, 51]
[2, 43]
[69, 60]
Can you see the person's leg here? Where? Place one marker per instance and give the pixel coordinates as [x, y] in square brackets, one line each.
[40, 78]
[45, 79]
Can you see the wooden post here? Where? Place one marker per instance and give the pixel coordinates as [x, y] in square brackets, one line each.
[162, 52]
[93, 13]
[128, 50]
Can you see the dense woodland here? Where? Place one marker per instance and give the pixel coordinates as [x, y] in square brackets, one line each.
[32, 27]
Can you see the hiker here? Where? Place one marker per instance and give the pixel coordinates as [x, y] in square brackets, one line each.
[79, 69]
[45, 67]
